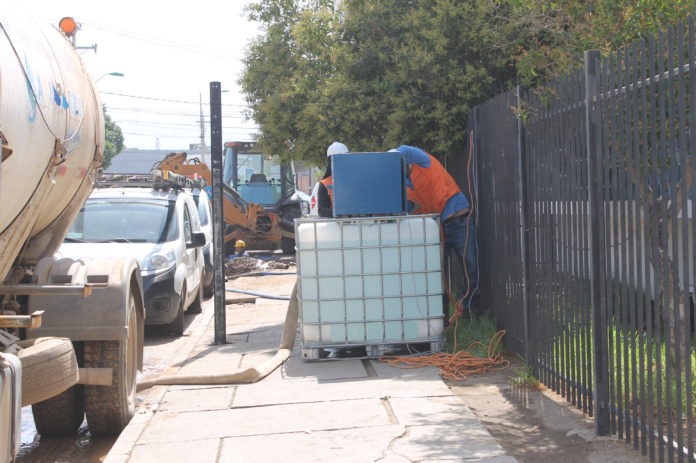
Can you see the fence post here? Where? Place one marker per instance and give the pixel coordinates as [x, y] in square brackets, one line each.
[524, 221]
[596, 242]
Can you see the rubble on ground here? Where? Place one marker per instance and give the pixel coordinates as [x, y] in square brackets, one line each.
[273, 265]
[244, 264]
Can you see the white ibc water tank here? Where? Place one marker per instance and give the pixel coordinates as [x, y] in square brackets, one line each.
[52, 120]
[368, 281]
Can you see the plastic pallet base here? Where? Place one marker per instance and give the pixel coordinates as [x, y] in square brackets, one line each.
[341, 352]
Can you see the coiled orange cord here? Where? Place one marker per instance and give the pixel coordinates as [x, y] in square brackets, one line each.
[457, 366]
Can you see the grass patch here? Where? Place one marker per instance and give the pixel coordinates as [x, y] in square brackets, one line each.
[574, 345]
[473, 336]
[623, 342]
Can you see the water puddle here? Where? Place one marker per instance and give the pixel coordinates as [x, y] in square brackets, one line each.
[80, 448]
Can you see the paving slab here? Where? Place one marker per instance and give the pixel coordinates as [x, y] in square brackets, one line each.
[198, 399]
[433, 411]
[204, 450]
[448, 443]
[345, 446]
[330, 370]
[269, 392]
[309, 417]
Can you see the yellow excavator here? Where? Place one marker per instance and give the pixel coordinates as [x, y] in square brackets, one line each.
[260, 199]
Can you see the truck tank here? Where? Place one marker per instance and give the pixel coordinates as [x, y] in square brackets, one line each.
[52, 132]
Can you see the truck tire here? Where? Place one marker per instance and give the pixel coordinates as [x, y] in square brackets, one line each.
[177, 326]
[110, 408]
[287, 245]
[49, 367]
[61, 415]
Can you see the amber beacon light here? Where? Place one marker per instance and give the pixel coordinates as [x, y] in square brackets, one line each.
[69, 26]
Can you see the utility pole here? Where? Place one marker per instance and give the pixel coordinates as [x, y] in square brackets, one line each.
[218, 219]
[201, 148]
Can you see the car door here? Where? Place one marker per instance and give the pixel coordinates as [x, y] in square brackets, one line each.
[196, 264]
[190, 254]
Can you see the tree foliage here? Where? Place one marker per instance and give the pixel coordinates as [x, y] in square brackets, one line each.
[566, 28]
[113, 139]
[377, 74]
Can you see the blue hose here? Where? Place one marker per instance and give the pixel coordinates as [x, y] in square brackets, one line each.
[254, 293]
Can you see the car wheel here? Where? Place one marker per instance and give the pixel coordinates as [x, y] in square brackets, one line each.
[177, 326]
[209, 286]
[196, 306]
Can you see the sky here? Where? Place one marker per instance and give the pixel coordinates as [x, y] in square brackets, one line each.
[168, 53]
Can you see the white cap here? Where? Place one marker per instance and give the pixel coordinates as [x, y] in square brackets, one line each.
[336, 148]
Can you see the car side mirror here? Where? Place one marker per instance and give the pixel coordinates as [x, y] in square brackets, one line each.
[197, 240]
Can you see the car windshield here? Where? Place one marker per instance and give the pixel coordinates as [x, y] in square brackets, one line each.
[121, 221]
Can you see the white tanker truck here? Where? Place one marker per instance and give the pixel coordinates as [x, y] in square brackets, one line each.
[82, 357]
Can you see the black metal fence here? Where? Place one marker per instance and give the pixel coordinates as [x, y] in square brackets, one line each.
[587, 238]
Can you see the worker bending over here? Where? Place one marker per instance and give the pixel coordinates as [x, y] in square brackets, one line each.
[432, 190]
[325, 191]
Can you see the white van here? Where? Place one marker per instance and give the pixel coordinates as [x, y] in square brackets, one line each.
[162, 230]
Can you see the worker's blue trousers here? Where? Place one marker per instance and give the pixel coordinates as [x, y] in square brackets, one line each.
[456, 231]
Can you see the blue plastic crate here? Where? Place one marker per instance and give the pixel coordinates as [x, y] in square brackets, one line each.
[368, 184]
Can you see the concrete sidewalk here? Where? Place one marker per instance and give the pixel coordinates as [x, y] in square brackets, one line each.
[330, 411]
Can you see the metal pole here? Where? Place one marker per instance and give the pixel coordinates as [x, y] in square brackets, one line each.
[524, 223]
[599, 329]
[218, 218]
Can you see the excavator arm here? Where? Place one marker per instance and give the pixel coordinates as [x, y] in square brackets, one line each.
[249, 222]
[179, 164]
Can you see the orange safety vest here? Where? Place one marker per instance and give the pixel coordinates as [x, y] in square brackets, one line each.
[328, 183]
[432, 187]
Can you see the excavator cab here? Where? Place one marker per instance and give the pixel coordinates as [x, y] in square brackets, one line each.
[259, 179]
[265, 180]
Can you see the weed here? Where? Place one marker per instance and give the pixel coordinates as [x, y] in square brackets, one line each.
[524, 377]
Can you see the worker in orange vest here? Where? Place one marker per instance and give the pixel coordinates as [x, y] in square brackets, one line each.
[325, 191]
[432, 190]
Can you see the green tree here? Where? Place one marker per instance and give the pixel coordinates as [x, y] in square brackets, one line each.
[113, 139]
[375, 74]
[284, 70]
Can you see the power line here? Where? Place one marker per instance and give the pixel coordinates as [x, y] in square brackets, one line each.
[226, 54]
[166, 113]
[164, 135]
[166, 124]
[168, 99]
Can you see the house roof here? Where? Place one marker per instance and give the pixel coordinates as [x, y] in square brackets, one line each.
[137, 161]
